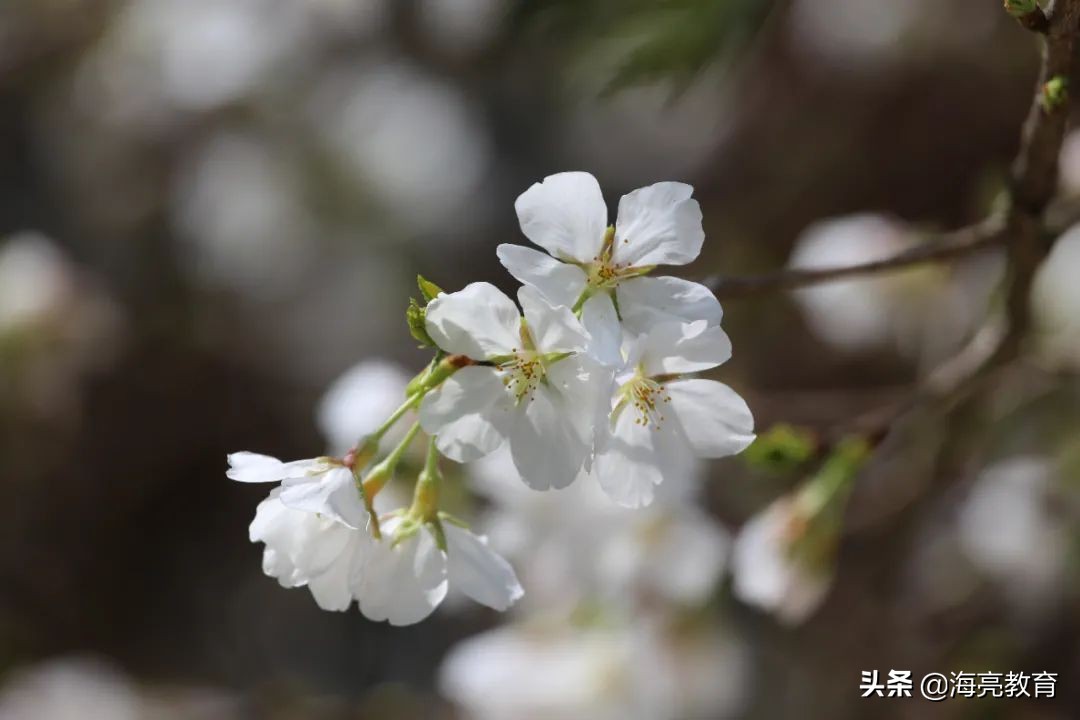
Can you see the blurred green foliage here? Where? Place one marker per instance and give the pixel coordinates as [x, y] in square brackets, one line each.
[657, 39]
[780, 449]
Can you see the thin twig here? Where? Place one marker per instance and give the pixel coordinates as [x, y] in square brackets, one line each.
[949, 246]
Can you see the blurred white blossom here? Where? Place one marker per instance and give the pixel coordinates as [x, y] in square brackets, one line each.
[576, 547]
[70, 689]
[1010, 530]
[927, 313]
[1069, 164]
[55, 321]
[194, 55]
[523, 672]
[414, 142]
[359, 401]
[769, 574]
[35, 281]
[1056, 301]
[237, 203]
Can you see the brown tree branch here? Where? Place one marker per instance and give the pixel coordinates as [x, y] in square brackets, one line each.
[1034, 174]
[937, 405]
[1032, 183]
[949, 246]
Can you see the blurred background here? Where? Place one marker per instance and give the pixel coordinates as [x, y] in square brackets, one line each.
[212, 209]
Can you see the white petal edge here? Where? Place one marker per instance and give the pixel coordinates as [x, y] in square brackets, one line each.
[249, 467]
[559, 282]
[479, 571]
[545, 445]
[565, 214]
[332, 493]
[714, 418]
[478, 321]
[676, 347]
[605, 333]
[630, 460]
[659, 225]
[402, 584]
[554, 329]
[647, 301]
[464, 414]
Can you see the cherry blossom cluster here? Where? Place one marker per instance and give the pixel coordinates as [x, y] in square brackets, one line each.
[591, 377]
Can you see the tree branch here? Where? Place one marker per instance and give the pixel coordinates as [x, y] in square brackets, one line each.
[1034, 175]
[953, 391]
[1032, 183]
[952, 245]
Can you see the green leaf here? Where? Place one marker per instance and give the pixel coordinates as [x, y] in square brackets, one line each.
[782, 448]
[428, 289]
[416, 317]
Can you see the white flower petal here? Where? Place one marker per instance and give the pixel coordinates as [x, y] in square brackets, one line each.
[463, 411]
[332, 493]
[565, 214]
[278, 527]
[402, 584]
[478, 321]
[602, 323]
[547, 449]
[252, 467]
[675, 347]
[585, 387]
[554, 329]
[561, 283]
[305, 549]
[659, 225]
[332, 588]
[631, 458]
[715, 419]
[479, 571]
[646, 301]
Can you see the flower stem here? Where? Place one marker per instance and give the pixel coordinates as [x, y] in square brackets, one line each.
[384, 471]
[405, 407]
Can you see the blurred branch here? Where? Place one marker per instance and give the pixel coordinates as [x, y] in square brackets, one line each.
[951, 393]
[1032, 182]
[949, 246]
[1034, 175]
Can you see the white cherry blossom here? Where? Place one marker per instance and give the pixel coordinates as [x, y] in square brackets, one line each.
[538, 392]
[660, 417]
[321, 485]
[604, 273]
[304, 548]
[408, 577]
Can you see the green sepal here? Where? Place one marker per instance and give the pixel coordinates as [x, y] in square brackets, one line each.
[428, 289]
[416, 317]
[453, 520]
[437, 532]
